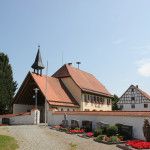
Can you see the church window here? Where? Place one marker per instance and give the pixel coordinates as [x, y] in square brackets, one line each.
[95, 98]
[145, 105]
[91, 99]
[98, 99]
[85, 97]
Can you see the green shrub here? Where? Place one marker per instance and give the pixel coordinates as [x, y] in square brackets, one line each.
[112, 130]
[113, 139]
[64, 129]
[100, 137]
[77, 128]
[98, 132]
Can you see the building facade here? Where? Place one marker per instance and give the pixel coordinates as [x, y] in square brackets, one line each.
[134, 99]
[68, 89]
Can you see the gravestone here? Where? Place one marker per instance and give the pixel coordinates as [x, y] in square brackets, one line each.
[125, 130]
[102, 125]
[65, 123]
[87, 125]
[74, 124]
[5, 121]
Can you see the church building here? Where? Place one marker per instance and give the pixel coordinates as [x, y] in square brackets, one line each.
[68, 89]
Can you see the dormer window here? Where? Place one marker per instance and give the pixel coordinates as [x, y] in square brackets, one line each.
[132, 90]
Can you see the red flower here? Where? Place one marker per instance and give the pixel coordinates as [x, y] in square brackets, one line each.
[139, 144]
[87, 101]
[93, 102]
[97, 102]
[106, 139]
[89, 134]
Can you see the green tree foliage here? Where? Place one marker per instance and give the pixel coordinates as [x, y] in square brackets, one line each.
[114, 103]
[7, 85]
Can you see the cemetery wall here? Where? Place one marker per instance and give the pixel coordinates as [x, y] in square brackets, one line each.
[32, 117]
[134, 119]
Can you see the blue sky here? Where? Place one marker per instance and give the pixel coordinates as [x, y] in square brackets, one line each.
[111, 38]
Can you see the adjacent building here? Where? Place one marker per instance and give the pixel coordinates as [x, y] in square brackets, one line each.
[134, 99]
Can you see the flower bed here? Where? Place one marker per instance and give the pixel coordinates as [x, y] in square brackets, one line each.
[90, 134]
[2, 124]
[76, 131]
[138, 144]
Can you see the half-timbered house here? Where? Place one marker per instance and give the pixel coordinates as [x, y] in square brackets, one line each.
[134, 99]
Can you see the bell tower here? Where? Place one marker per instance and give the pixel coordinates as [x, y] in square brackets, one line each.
[38, 65]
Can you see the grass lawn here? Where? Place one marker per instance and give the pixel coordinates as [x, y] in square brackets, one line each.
[8, 143]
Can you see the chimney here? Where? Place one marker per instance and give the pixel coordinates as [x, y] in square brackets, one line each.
[70, 64]
[137, 86]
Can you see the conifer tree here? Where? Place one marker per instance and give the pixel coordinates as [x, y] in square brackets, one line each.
[7, 85]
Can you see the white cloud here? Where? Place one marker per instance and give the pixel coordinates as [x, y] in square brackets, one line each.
[117, 42]
[144, 67]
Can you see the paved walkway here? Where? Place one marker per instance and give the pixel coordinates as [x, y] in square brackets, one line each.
[32, 137]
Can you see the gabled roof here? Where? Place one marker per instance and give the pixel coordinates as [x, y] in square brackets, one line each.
[142, 92]
[85, 81]
[57, 93]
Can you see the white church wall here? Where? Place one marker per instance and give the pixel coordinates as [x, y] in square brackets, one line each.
[20, 108]
[136, 122]
[31, 118]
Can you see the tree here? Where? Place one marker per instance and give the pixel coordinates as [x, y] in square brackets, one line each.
[7, 85]
[114, 102]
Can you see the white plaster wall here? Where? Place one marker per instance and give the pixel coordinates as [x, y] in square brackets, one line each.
[138, 107]
[136, 122]
[24, 119]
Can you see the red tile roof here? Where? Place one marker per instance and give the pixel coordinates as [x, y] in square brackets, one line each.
[86, 81]
[106, 113]
[142, 92]
[57, 93]
[18, 114]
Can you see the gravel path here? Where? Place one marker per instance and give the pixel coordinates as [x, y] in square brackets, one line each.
[32, 137]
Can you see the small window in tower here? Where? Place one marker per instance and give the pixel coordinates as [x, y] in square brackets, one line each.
[145, 105]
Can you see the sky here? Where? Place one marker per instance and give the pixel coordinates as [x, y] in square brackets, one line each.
[111, 38]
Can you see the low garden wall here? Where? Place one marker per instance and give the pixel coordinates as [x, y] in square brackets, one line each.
[32, 117]
[130, 118]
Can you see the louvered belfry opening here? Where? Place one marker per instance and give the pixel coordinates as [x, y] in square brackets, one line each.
[38, 65]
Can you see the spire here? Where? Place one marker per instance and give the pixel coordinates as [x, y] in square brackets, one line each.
[38, 65]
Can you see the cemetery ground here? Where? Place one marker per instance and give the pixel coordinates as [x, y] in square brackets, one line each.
[33, 137]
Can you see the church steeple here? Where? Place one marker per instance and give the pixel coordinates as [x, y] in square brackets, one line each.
[38, 65]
